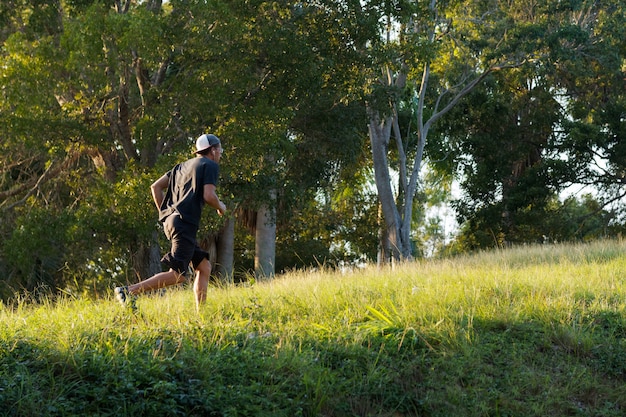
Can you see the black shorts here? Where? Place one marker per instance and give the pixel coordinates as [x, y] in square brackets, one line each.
[185, 249]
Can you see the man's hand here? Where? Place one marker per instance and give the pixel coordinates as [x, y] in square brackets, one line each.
[222, 209]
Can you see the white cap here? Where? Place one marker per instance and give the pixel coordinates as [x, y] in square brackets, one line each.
[206, 141]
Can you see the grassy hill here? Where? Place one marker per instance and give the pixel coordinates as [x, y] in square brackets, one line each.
[531, 331]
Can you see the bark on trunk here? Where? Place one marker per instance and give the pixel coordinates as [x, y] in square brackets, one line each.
[147, 259]
[384, 249]
[226, 252]
[265, 243]
[380, 133]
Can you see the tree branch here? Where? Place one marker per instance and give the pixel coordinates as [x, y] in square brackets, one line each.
[51, 172]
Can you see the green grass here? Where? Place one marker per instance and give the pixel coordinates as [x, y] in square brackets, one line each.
[530, 331]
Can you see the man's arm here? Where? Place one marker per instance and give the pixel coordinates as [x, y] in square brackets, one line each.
[158, 190]
[211, 198]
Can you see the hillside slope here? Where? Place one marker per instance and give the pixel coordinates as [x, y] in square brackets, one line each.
[532, 331]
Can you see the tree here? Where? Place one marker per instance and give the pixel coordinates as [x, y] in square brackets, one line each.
[36, 163]
[526, 135]
[431, 56]
[507, 128]
[124, 108]
[592, 83]
[293, 124]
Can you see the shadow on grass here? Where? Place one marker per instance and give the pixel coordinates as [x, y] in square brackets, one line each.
[485, 368]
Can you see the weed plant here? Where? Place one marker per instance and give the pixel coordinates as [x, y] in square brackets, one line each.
[528, 331]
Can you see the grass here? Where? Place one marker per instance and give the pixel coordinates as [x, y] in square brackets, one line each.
[529, 331]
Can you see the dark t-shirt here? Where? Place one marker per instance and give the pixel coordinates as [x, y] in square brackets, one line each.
[185, 192]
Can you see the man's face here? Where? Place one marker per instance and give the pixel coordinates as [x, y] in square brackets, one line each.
[217, 153]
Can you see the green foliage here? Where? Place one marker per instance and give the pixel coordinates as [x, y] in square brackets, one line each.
[548, 127]
[571, 220]
[534, 331]
[334, 230]
[33, 252]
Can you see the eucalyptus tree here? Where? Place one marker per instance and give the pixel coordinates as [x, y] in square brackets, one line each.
[428, 57]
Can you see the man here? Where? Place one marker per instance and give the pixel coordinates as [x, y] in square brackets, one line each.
[180, 195]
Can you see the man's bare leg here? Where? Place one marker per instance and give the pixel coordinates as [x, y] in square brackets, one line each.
[158, 281]
[200, 285]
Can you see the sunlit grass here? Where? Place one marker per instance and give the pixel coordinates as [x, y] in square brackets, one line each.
[532, 331]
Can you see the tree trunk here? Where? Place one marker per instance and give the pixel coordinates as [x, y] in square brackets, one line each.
[380, 133]
[384, 249]
[265, 241]
[147, 259]
[226, 252]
